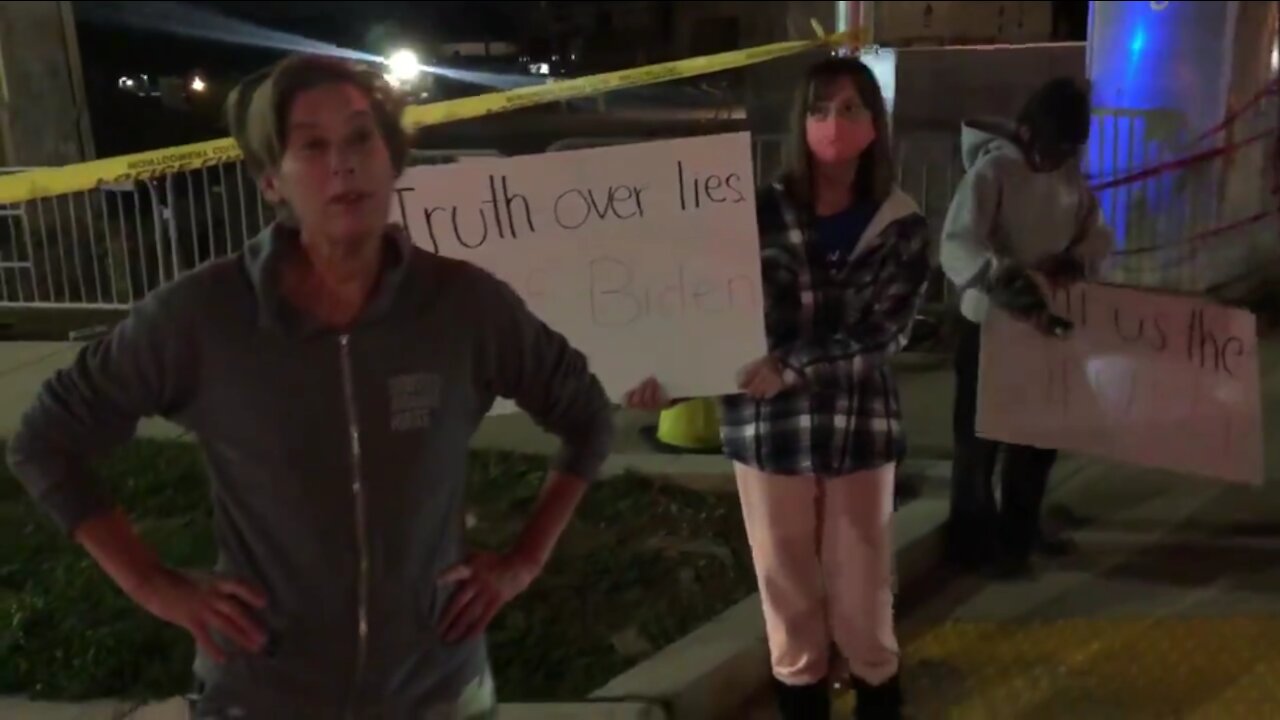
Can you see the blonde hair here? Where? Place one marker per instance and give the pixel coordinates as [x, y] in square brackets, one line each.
[258, 109]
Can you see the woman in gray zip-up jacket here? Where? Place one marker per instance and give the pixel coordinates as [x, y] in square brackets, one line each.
[333, 375]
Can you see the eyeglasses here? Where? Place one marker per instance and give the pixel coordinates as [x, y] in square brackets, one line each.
[844, 110]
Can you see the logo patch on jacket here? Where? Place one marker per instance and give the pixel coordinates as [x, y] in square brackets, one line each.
[414, 399]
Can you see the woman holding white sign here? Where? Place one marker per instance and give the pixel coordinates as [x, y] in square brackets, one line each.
[333, 375]
[816, 435]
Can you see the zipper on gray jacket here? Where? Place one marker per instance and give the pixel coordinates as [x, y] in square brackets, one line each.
[357, 494]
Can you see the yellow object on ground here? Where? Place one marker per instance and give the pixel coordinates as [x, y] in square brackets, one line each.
[691, 425]
[1217, 668]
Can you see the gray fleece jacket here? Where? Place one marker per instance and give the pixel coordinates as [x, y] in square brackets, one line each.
[338, 460]
[1004, 212]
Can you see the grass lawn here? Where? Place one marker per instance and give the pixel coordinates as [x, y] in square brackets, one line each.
[647, 563]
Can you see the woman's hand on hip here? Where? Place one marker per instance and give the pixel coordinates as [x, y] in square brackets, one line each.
[648, 395]
[486, 582]
[207, 607]
[762, 379]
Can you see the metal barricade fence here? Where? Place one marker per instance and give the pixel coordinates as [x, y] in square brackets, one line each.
[1194, 228]
[446, 157]
[213, 212]
[767, 150]
[14, 238]
[109, 247]
[78, 250]
[929, 168]
[207, 214]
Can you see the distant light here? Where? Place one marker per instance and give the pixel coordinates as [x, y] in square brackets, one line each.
[1275, 56]
[403, 65]
[198, 84]
[125, 82]
[540, 69]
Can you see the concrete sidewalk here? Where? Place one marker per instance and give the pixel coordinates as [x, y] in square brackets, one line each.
[25, 365]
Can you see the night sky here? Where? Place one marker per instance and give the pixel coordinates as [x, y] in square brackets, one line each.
[107, 40]
[374, 26]
[119, 39]
[113, 45]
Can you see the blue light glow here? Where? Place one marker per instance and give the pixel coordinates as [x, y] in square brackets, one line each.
[1139, 39]
[1156, 71]
[1126, 70]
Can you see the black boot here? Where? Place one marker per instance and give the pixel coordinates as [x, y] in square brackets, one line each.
[1055, 544]
[878, 702]
[1010, 567]
[803, 702]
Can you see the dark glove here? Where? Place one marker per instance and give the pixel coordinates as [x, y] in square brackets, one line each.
[1014, 290]
[1063, 269]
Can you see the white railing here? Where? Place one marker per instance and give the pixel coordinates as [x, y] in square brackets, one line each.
[78, 250]
[109, 247]
[1195, 228]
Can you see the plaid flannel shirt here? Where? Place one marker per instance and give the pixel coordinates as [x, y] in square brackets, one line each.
[834, 333]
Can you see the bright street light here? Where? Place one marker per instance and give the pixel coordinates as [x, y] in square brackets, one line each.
[403, 67]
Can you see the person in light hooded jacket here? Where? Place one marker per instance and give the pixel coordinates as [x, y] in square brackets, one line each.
[1022, 220]
[333, 374]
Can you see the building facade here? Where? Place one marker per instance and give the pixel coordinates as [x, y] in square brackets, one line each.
[44, 119]
[913, 24]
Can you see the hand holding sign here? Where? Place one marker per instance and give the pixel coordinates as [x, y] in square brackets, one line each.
[1023, 295]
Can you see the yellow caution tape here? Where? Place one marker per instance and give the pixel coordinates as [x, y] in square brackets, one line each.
[498, 102]
[35, 184]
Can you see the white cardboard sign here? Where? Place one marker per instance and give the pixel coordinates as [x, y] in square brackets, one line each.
[1146, 378]
[645, 256]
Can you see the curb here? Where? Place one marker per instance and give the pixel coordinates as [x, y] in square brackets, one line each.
[23, 709]
[176, 709]
[581, 711]
[714, 671]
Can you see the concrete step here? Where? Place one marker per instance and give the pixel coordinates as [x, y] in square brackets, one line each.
[22, 709]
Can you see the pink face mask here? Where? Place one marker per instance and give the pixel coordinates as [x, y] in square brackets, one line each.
[837, 139]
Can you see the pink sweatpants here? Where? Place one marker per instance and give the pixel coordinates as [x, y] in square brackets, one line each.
[823, 554]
